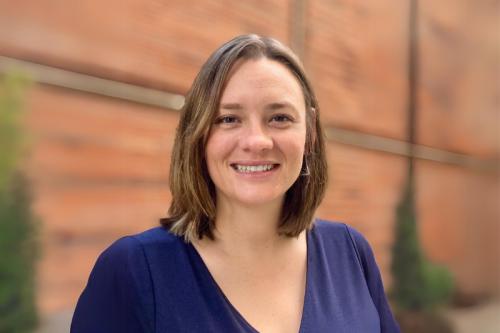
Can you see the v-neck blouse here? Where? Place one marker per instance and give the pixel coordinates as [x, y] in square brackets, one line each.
[155, 282]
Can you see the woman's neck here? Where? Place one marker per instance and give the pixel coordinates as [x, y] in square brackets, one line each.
[248, 230]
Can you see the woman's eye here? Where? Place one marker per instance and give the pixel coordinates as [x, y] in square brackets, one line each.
[226, 120]
[281, 118]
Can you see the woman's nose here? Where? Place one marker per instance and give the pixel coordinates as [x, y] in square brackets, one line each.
[256, 139]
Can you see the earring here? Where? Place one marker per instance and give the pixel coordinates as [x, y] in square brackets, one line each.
[305, 168]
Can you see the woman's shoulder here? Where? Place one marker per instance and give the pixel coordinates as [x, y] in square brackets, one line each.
[327, 228]
[137, 246]
[157, 235]
[133, 255]
[341, 235]
[120, 277]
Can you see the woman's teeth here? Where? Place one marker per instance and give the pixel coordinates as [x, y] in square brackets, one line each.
[253, 168]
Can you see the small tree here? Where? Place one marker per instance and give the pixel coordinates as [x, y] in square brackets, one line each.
[407, 260]
[17, 225]
[418, 285]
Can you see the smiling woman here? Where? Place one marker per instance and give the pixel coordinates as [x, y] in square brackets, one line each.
[246, 78]
[255, 150]
[240, 250]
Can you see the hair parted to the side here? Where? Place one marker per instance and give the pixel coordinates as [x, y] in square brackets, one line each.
[192, 210]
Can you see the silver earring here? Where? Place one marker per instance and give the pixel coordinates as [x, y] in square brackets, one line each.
[305, 168]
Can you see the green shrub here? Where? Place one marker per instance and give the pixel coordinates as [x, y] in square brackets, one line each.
[11, 136]
[17, 245]
[417, 283]
[439, 284]
[17, 224]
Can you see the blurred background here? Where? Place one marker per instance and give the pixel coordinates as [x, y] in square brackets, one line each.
[99, 85]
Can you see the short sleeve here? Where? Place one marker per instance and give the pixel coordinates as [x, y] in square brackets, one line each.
[374, 281]
[119, 294]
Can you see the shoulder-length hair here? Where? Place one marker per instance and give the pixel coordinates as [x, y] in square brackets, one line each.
[193, 207]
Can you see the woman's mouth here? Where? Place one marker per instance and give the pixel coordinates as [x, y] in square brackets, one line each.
[254, 168]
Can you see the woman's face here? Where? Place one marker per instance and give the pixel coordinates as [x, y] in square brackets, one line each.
[255, 147]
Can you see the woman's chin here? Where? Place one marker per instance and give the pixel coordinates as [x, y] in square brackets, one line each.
[255, 199]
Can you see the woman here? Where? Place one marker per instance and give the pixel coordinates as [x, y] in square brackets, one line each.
[240, 250]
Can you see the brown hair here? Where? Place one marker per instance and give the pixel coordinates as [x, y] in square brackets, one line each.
[192, 210]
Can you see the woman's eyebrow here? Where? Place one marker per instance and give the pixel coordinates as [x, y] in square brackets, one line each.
[280, 105]
[231, 106]
[269, 107]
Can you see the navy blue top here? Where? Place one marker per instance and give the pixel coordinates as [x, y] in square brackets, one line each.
[155, 282]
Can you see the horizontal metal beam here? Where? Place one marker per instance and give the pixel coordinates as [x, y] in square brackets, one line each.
[398, 147]
[91, 84]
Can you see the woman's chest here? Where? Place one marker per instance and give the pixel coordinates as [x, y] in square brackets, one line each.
[268, 299]
[194, 302]
[331, 295]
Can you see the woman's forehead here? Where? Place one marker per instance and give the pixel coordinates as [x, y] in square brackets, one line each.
[261, 78]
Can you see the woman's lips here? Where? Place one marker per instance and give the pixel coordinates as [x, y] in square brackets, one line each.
[254, 168]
